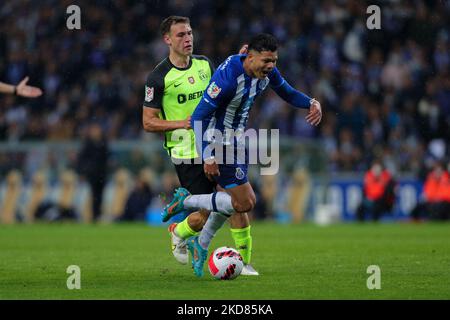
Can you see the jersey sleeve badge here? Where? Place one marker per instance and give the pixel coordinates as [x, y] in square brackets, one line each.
[148, 94]
[213, 90]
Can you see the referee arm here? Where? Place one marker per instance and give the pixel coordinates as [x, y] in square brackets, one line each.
[22, 89]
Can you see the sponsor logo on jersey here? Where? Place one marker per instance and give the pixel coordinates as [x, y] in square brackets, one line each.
[239, 173]
[177, 84]
[148, 94]
[182, 98]
[191, 80]
[213, 90]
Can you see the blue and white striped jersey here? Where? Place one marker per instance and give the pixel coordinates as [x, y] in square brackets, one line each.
[232, 93]
[226, 102]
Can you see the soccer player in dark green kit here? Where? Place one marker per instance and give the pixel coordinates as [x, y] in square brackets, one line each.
[172, 92]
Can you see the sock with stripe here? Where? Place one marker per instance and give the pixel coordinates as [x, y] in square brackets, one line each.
[217, 201]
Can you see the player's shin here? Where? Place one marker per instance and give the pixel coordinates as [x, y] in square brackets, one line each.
[243, 241]
[214, 223]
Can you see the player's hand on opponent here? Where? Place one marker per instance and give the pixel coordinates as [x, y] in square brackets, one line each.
[187, 123]
[315, 113]
[24, 90]
[211, 168]
[244, 49]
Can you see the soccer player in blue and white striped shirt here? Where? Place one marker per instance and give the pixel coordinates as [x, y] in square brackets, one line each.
[225, 108]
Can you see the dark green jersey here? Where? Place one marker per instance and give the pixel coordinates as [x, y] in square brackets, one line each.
[176, 92]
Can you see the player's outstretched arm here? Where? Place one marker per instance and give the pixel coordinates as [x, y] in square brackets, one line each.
[296, 98]
[22, 89]
[7, 88]
[152, 122]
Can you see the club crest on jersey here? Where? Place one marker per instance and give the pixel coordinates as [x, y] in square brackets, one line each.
[148, 94]
[239, 173]
[213, 90]
[191, 80]
[263, 83]
[202, 75]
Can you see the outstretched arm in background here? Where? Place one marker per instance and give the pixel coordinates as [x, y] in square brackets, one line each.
[296, 98]
[22, 89]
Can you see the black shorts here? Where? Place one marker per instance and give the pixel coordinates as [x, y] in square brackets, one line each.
[193, 178]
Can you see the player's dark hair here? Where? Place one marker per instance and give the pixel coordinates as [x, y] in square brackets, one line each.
[169, 21]
[263, 42]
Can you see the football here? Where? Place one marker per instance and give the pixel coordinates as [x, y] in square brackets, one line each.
[225, 263]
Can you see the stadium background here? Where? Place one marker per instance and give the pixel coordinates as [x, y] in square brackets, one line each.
[385, 93]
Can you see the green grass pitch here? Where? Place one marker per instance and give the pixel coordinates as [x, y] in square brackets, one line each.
[133, 261]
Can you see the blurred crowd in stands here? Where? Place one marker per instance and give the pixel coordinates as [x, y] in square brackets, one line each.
[385, 93]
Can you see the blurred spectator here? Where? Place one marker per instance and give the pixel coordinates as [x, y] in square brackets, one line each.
[70, 200]
[379, 193]
[435, 202]
[11, 198]
[93, 164]
[169, 181]
[298, 194]
[266, 192]
[140, 198]
[349, 153]
[38, 196]
[135, 162]
[115, 195]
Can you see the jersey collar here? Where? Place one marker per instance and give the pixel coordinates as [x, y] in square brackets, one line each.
[174, 66]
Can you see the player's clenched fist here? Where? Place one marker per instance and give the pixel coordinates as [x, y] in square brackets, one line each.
[187, 123]
[211, 168]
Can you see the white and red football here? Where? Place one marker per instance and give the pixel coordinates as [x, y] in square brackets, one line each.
[225, 263]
